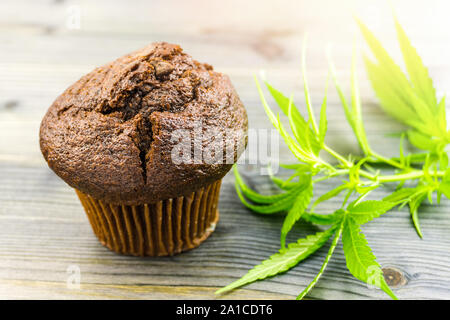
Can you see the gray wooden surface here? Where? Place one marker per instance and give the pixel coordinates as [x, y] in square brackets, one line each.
[43, 230]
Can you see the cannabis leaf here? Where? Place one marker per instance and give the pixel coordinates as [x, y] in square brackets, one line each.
[325, 262]
[444, 186]
[360, 259]
[418, 73]
[323, 219]
[304, 134]
[415, 201]
[412, 100]
[298, 208]
[352, 113]
[401, 195]
[271, 204]
[366, 211]
[255, 196]
[330, 194]
[323, 124]
[283, 260]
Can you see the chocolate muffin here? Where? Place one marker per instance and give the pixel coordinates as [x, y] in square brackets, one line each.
[145, 141]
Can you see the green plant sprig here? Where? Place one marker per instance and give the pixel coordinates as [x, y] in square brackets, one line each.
[410, 99]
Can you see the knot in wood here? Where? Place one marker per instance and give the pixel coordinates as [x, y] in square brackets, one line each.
[394, 277]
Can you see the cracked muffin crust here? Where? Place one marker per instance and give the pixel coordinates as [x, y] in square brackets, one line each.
[110, 134]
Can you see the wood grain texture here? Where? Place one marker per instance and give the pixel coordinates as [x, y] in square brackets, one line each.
[43, 229]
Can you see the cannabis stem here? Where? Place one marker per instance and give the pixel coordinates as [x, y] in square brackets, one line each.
[411, 175]
[416, 174]
[344, 161]
[388, 161]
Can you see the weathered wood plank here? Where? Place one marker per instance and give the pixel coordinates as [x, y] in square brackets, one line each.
[18, 289]
[43, 229]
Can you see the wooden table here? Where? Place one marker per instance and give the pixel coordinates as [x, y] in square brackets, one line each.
[44, 234]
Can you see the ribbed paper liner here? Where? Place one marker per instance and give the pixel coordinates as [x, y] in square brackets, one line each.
[158, 229]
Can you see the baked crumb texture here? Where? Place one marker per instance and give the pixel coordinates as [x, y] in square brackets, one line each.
[109, 135]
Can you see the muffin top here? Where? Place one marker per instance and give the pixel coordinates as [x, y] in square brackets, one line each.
[151, 125]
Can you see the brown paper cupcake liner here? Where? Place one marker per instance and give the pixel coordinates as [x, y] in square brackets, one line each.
[163, 228]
